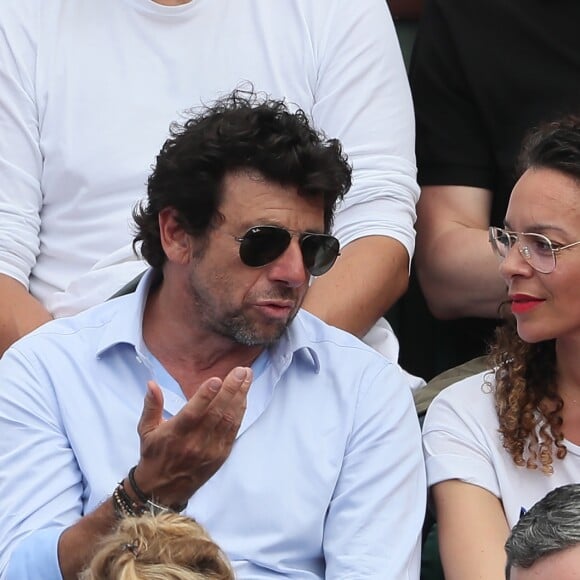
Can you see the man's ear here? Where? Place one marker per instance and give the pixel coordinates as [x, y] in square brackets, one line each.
[176, 242]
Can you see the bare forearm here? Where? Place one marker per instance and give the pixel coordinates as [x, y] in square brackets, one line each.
[455, 264]
[20, 312]
[472, 531]
[77, 543]
[460, 275]
[367, 279]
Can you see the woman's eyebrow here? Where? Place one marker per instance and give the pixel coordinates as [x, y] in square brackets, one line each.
[538, 228]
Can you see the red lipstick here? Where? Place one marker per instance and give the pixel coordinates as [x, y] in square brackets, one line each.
[524, 303]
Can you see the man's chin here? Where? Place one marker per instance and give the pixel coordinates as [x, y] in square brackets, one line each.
[263, 336]
[257, 329]
[262, 333]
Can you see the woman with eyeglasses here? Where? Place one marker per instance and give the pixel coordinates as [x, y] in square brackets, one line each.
[497, 442]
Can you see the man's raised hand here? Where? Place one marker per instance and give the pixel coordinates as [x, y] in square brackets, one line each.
[179, 455]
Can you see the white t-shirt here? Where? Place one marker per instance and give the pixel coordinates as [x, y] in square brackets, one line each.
[461, 441]
[89, 89]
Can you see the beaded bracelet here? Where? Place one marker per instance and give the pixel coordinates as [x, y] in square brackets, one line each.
[147, 500]
[123, 505]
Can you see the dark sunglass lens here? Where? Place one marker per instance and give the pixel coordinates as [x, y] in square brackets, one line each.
[263, 244]
[319, 252]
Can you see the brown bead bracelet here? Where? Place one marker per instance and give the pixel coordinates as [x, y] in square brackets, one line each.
[123, 505]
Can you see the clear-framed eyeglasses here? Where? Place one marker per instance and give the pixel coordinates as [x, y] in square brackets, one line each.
[538, 250]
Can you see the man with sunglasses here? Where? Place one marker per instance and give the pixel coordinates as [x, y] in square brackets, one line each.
[208, 389]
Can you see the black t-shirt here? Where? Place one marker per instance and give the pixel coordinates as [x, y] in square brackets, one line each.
[483, 72]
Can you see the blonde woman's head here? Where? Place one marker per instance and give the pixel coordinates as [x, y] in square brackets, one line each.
[167, 546]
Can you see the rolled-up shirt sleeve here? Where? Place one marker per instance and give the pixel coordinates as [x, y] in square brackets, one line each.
[20, 153]
[36, 557]
[43, 493]
[363, 98]
[460, 438]
[374, 521]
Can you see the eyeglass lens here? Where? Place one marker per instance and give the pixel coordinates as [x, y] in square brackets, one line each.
[264, 244]
[535, 248]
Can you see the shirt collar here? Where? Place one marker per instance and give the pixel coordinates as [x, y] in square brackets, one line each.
[295, 342]
[126, 327]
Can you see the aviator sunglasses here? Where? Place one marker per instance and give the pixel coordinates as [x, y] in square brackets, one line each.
[261, 245]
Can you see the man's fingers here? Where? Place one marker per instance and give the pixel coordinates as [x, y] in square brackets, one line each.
[196, 408]
[191, 446]
[229, 406]
[215, 399]
[152, 414]
[245, 375]
[239, 402]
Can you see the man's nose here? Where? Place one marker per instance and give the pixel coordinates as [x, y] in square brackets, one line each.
[289, 267]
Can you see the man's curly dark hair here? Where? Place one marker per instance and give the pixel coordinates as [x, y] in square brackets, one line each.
[526, 395]
[242, 131]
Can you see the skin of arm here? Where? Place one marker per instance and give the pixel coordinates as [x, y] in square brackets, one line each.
[77, 542]
[457, 269]
[368, 277]
[472, 531]
[20, 314]
[177, 457]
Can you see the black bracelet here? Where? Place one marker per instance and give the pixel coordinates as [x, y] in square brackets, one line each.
[147, 500]
[136, 489]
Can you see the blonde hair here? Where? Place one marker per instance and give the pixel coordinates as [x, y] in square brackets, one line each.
[166, 546]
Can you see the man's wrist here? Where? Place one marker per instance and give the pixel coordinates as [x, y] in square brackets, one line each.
[125, 505]
[147, 501]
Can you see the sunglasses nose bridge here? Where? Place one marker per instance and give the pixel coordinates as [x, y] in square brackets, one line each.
[290, 265]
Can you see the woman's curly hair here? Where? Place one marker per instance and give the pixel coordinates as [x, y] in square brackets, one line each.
[528, 405]
[166, 546]
[526, 399]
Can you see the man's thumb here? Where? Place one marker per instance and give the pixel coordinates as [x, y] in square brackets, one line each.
[152, 415]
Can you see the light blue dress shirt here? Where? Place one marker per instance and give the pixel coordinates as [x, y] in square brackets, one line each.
[325, 479]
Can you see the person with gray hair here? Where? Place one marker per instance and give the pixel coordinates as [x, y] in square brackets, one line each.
[545, 543]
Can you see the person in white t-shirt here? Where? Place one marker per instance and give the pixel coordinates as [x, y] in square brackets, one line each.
[89, 90]
[497, 442]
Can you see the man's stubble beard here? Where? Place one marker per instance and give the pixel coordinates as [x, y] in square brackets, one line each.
[236, 324]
